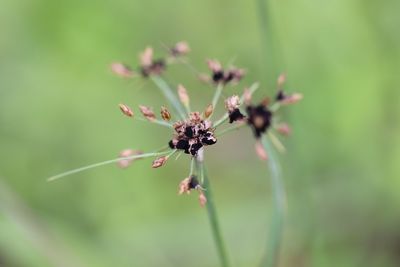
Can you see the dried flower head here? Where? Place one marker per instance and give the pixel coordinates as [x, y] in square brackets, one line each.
[232, 105]
[188, 184]
[219, 75]
[259, 118]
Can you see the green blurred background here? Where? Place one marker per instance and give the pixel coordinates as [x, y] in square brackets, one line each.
[58, 110]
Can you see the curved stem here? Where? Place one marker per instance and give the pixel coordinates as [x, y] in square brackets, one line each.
[212, 215]
[271, 256]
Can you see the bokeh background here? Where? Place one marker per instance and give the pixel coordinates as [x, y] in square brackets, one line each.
[58, 110]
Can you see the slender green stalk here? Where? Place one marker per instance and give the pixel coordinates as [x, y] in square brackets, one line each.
[271, 256]
[212, 216]
[169, 95]
[159, 122]
[230, 129]
[217, 95]
[98, 164]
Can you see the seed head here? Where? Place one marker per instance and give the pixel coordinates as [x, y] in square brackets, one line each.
[292, 99]
[158, 162]
[122, 70]
[147, 113]
[165, 115]
[126, 110]
[214, 65]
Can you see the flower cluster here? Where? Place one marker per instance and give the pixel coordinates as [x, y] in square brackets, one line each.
[194, 131]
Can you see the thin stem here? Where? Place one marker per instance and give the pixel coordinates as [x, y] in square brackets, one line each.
[271, 256]
[169, 95]
[98, 164]
[230, 129]
[212, 216]
[217, 95]
[159, 122]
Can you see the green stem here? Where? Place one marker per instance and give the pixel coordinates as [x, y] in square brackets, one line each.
[169, 95]
[271, 256]
[98, 164]
[212, 216]
[216, 97]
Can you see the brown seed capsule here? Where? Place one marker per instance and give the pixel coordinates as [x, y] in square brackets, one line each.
[158, 162]
[183, 95]
[202, 199]
[146, 57]
[165, 115]
[126, 110]
[208, 111]
[292, 99]
[260, 151]
[284, 129]
[122, 70]
[232, 103]
[124, 163]
[147, 113]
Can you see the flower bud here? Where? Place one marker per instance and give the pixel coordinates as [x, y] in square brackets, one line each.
[202, 199]
[214, 65]
[126, 110]
[165, 115]
[247, 96]
[183, 95]
[158, 162]
[281, 80]
[260, 151]
[284, 129]
[146, 57]
[147, 113]
[208, 111]
[292, 99]
[122, 70]
[180, 49]
[124, 163]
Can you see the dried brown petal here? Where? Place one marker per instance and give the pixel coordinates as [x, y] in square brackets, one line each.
[122, 70]
[158, 162]
[232, 103]
[260, 151]
[146, 57]
[165, 115]
[208, 111]
[147, 113]
[284, 129]
[183, 95]
[126, 110]
[124, 163]
[247, 96]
